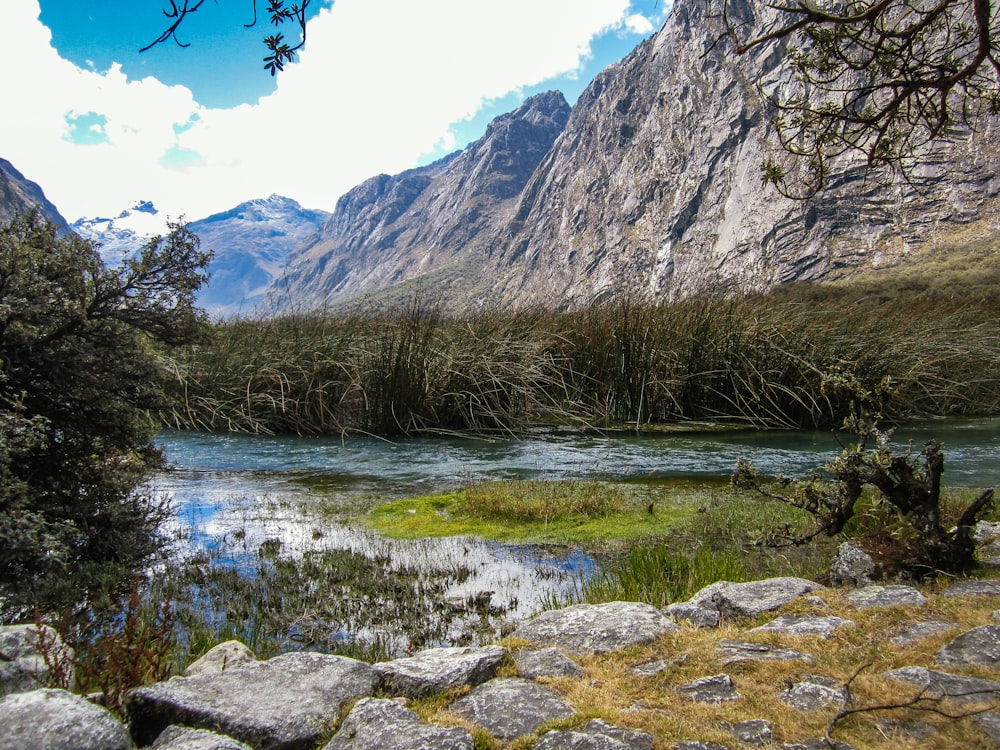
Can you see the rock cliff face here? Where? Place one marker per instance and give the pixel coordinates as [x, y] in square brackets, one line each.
[18, 194]
[654, 185]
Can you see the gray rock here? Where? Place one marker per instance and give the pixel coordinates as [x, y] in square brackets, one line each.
[852, 566]
[718, 688]
[185, 738]
[597, 628]
[697, 745]
[596, 735]
[227, 655]
[944, 685]
[377, 724]
[511, 707]
[754, 597]
[990, 723]
[986, 531]
[546, 662]
[699, 617]
[918, 631]
[817, 743]
[886, 596]
[814, 692]
[22, 667]
[650, 669]
[980, 646]
[438, 669]
[973, 588]
[754, 732]
[737, 651]
[289, 701]
[824, 627]
[58, 720]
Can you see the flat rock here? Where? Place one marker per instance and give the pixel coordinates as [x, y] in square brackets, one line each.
[979, 646]
[22, 668]
[920, 630]
[718, 688]
[990, 723]
[596, 735]
[754, 597]
[756, 732]
[886, 596]
[378, 724]
[651, 668]
[821, 626]
[58, 720]
[185, 738]
[945, 685]
[817, 743]
[737, 651]
[438, 669]
[986, 531]
[698, 745]
[693, 614]
[973, 588]
[511, 707]
[597, 628]
[290, 701]
[546, 662]
[227, 655]
[814, 692]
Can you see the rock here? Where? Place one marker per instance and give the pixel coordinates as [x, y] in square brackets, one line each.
[438, 669]
[225, 656]
[22, 667]
[699, 617]
[715, 689]
[980, 646]
[814, 692]
[824, 627]
[816, 743]
[886, 596]
[597, 628]
[596, 735]
[737, 651]
[185, 738]
[58, 720]
[546, 662]
[754, 597]
[918, 631]
[289, 701]
[973, 588]
[852, 566]
[754, 732]
[986, 531]
[945, 685]
[650, 669]
[696, 745]
[511, 707]
[990, 723]
[378, 724]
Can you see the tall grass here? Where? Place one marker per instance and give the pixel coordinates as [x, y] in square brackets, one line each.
[751, 361]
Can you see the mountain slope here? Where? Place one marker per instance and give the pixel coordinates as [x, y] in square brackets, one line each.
[18, 195]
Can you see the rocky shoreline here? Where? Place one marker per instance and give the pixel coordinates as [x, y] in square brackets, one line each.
[522, 692]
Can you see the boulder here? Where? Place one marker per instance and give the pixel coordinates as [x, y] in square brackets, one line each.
[886, 596]
[754, 597]
[546, 662]
[945, 685]
[852, 566]
[185, 738]
[693, 614]
[290, 701]
[979, 646]
[378, 724]
[823, 627]
[438, 669]
[597, 628]
[973, 588]
[755, 732]
[22, 667]
[737, 651]
[814, 692]
[596, 735]
[58, 720]
[225, 656]
[718, 688]
[511, 707]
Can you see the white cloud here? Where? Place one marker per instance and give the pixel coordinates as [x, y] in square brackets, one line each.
[379, 84]
[638, 24]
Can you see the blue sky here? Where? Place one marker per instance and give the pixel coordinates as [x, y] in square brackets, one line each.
[382, 86]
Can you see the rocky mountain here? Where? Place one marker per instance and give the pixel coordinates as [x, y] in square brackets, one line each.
[123, 235]
[653, 185]
[18, 194]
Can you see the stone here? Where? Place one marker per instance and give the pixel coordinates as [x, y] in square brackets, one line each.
[979, 646]
[227, 655]
[718, 688]
[823, 627]
[438, 669]
[650, 669]
[886, 596]
[546, 662]
[852, 566]
[918, 631]
[973, 588]
[289, 701]
[990, 723]
[817, 743]
[756, 732]
[986, 531]
[596, 735]
[511, 707]
[597, 628]
[814, 692]
[754, 597]
[737, 651]
[698, 745]
[945, 685]
[56, 719]
[22, 667]
[185, 738]
[379, 724]
[699, 617]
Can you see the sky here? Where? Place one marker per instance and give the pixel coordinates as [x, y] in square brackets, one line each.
[380, 87]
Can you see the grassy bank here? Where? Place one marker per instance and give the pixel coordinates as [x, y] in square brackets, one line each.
[756, 362]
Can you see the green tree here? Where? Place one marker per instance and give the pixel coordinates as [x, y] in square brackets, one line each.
[78, 377]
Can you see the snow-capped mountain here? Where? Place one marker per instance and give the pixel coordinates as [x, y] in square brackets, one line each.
[125, 234]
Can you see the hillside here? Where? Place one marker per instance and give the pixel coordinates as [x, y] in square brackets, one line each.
[18, 195]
